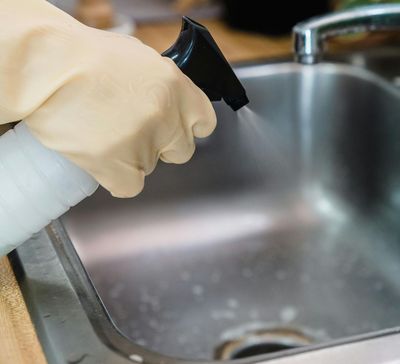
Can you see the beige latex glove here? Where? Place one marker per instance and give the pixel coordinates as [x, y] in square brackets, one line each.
[105, 101]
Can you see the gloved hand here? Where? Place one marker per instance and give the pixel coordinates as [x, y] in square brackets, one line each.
[105, 101]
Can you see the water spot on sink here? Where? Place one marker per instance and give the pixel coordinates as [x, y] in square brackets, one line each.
[153, 324]
[185, 276]
[288, 314]
[164, 285]
[305, 278]
[364, 272]
[170, 315]
[115, 292]
[321, 334]
[339, 283]
[254, 314]
[198, 290]
[215, 277]
[232, 303]
[136, 358]
[182, 340]
[247, 273]
[378, 286]
[141, 342]
[280, 275]
[368, 326]
[152, 302]
[135, 334]
[223, 315]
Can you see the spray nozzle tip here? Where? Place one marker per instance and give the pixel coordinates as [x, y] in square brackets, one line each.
[199, 57]
[238, 102]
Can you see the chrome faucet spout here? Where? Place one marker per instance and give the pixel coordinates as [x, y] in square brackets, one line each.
[310, 35]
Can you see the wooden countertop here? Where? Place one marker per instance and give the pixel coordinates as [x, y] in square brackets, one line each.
[18, 340]
[237, 46]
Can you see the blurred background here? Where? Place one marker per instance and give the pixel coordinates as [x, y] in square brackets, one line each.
[249, 14]
[245, 30]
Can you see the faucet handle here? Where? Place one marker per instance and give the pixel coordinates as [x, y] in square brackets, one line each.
[310, 35]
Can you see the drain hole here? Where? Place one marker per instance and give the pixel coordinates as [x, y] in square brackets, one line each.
[260, 349]
[244, 343]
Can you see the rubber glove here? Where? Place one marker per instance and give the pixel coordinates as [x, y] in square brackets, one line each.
[105, 101]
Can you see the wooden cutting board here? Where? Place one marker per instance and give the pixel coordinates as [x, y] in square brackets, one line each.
[18, 341]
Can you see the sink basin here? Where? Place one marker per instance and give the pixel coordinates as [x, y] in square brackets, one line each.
[381, 60]
[283, 230]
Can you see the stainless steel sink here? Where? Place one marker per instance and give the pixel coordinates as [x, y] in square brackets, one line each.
[383, 60]
[282, 231]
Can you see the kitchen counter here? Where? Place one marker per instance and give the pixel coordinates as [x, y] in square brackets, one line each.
[19, 343]
[237, 46]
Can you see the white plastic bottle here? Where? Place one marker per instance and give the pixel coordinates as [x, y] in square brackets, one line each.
[37, 185]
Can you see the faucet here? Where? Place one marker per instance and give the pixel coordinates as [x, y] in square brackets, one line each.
[310, 35]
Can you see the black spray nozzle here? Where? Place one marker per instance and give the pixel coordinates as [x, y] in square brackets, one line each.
[198, 56]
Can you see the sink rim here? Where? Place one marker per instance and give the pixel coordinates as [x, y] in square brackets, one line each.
[344, 57]
[287, 67]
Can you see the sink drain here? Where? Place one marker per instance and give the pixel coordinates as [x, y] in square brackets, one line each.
[261, 342]
[260, 349]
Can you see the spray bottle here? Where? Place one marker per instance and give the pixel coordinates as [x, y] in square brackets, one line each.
[38, 185]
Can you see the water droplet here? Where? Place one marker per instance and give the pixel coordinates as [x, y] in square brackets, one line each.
[198, 290]
[137, 358]
[182, 340]
[305, 278]
[142, 308]
[185, 276]
[223, 315]
[215, 277]
[116, 291]
[141, 342]
[288, 314]
[378, 286]
[280, 275]
[254, 314]
[232, 303]
[247, 273]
